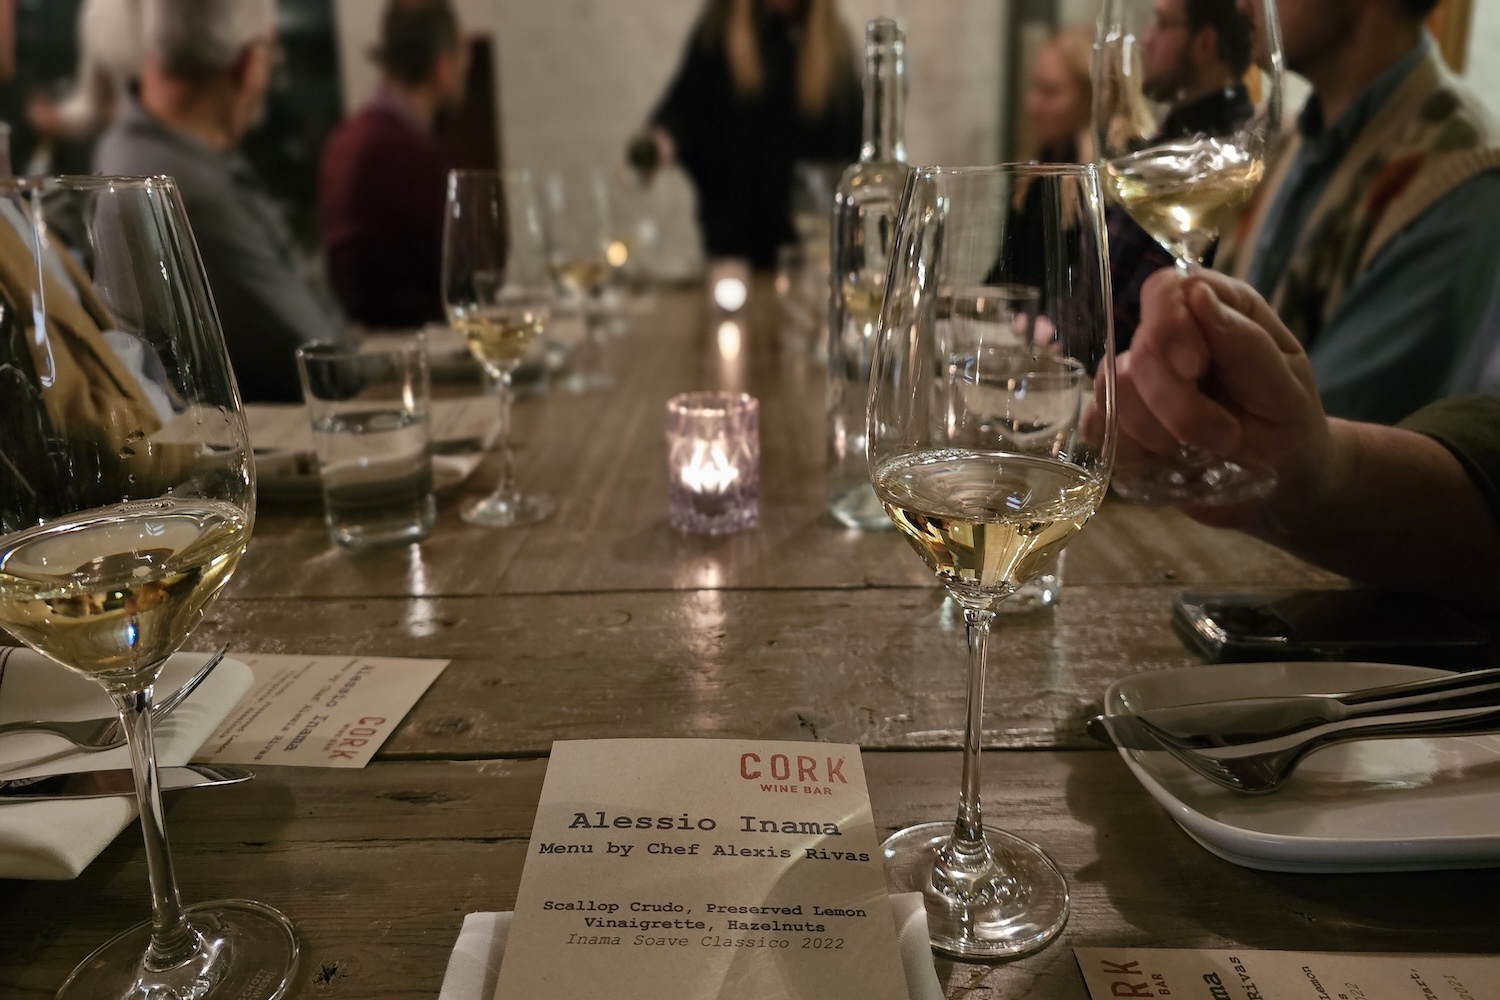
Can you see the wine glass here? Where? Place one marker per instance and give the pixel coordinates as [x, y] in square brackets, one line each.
[127, 495]
[579, 242]
[1182, 129]
[498, 293]
[988, 451]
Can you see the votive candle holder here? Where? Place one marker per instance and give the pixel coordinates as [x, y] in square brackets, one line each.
[713, 462]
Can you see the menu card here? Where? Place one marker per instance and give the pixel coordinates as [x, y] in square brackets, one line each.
[319, 711]
[1284, 975]
[697, 869]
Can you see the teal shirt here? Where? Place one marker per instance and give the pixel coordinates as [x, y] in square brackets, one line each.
[1411, 325]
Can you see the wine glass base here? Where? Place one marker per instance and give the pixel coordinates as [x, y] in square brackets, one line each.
[249, 953]
[512, 511]
[1026, 909]
[1210, 483]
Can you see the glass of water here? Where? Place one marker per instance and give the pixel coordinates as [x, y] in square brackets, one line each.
[369, 412]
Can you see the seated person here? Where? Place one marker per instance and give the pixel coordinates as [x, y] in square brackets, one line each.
[383, 177]
[206, 70]
[1414, 506]
[1194, 56]
[1373, 234]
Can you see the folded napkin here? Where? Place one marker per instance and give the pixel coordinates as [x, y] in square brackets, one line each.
[462, 429]
[57, 840]
[475, 963]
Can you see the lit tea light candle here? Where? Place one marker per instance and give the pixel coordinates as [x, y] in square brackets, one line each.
[713, 462]
[708, 472]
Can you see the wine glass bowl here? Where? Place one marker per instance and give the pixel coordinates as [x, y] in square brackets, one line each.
[127, 497]
[498, 294]
[991, 441]
[579, 241]
[1182, 138]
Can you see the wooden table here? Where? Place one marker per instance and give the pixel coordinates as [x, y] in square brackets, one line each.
[603, 622]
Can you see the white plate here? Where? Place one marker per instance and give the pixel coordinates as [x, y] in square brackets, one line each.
[1376, 805]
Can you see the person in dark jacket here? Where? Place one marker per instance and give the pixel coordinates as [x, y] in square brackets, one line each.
[207, 66]
[383, 175]
[763, 85]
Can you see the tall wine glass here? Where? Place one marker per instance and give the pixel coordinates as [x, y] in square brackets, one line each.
[1182, 140]
[579, 239]
[127, 495]
[987, 450]
[498, 294]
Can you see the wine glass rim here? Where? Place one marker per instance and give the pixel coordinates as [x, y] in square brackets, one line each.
[89, 182]
[1034, 169]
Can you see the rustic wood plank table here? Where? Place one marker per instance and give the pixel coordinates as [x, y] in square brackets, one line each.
[603, 622]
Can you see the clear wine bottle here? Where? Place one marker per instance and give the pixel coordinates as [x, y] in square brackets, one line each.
[864, 222]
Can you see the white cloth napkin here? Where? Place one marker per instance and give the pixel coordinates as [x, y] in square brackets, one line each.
[475, 963]
[57, 840]
[463, 429]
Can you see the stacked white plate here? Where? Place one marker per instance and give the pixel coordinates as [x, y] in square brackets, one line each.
[1375, 805]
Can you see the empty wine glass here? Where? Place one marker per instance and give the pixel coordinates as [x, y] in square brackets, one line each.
[127, 495]
[1185, 113]
[988, 452]
[497, 291]
[579, 240]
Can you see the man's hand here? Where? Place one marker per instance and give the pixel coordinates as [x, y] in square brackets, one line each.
[1212, 366]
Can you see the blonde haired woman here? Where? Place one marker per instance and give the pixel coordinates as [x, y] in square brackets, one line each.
[1058, 109]
[1059, 103]
[763, 85]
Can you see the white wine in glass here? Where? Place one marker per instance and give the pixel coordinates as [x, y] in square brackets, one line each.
[990, 451]
[1185, 193]
[498, 295]
[500, 336]
[127, 497]
[1187, 106]
[579, 240]
[113, 593]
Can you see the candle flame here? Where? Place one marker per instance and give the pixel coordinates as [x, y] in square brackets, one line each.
[709, 469]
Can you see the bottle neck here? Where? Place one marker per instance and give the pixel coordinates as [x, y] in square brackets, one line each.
[885, 102]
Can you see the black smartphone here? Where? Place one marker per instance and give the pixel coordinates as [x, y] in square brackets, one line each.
[1358, 625]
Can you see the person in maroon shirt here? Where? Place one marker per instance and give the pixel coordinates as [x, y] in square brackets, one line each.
[383, 175]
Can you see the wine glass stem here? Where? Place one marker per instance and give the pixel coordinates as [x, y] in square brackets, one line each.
[505, 395]
[1188, 454]
[968, 831]
[172, 938]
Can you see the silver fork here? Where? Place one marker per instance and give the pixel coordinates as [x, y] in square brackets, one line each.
[1264, 766]
[90, 735]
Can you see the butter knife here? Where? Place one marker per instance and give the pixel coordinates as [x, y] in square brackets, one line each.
[120, 781]
[1456, 698]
